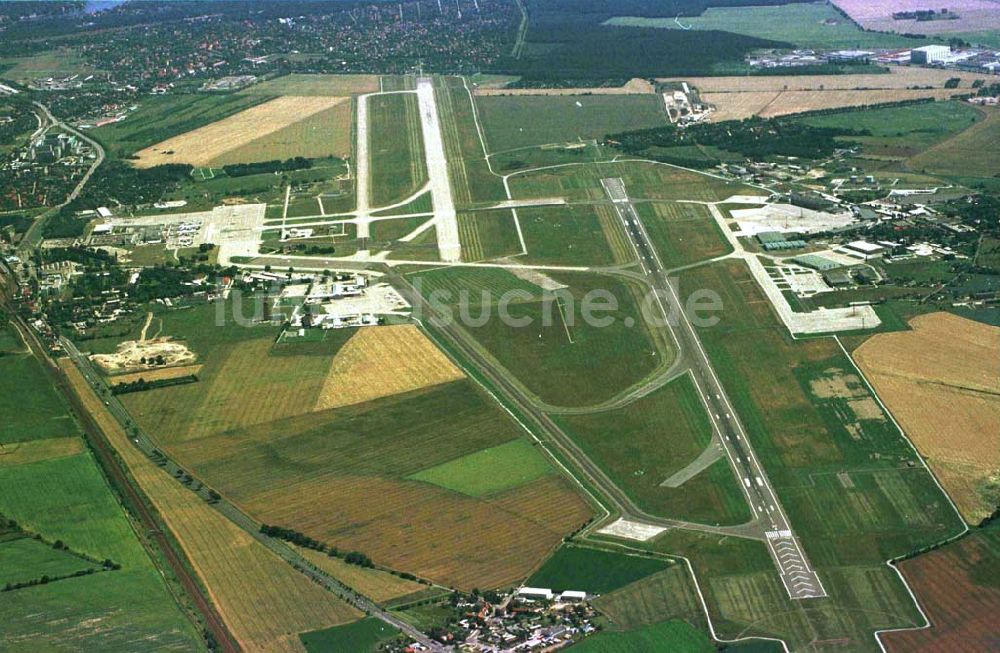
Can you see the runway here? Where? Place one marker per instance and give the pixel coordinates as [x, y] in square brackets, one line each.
[798, 577]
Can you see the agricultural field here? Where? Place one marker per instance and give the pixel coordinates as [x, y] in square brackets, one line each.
[595, 571]
[326, 133]
[805, 24]
[898, 78]
[682, 233]
[315, 85]
[490, 470]
[67, 499]
[380, 586]
[312, 475]
[957, 587]
[668, 594]
[397, 148]
[651, 447]
[676, 636]
[548, 345]
[391, 360]
[517, 121]
[31, 408]
[770, 104]
[362, 636]
[903, 131]
[939, 381]
[26, 559]
[161, 117]
[590, 235]
[263, 601]
[211, 144]
[963, 155]
[973, 16]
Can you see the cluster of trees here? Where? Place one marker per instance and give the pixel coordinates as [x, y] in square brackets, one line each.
[164, 281]
[300, 539]
[117, 183]
[141, 385]
[754, 138]
[261, 167]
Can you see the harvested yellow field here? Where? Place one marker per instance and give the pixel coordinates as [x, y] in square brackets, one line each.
[941, 382]
[323, 134]
[900, 77]
[161, 374]
[201, 146]
[379, 586]
[316, 85]
[383, 361]
[768, 104]
[35, 450]
[264, 602]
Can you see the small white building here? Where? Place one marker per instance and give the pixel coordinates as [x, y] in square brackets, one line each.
[104, 212]
[572, 596]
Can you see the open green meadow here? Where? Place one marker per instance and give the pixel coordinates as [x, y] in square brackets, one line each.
[586, 235]
[31, 408]
[397, 148]
[682, 233]
[361, 637]
[472, 182]
[161, 116]
[674, 636]
[902, 131]
[547, 344]
[644, 444]
[807, 25]
[312, 85]
[516, 121]
[58, 62]
[68, 499]
[643, 181]
[966, 156]
[421, 204]
[486, 235]
[10, 340]
[489, 470]
[594, 571]
[26, 559]
[545, 155]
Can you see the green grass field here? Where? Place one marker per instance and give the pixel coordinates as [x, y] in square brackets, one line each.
[547, 343]
[10, 340]
[902, 131]
[31, 408]
[487, 235]
[68, 499]
[361, 637]
[674, 636]
[643, 444]
[310, 85]
[682, 233]
[516, 121]
[592, 570]
[965, 156]
[421, 204]
[472, 182]
[28, 559]
[489, 470]
[161, 116]
[397, 148]
[589, 235]
[807, 25]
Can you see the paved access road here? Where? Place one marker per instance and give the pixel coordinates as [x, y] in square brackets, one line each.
[799, 578]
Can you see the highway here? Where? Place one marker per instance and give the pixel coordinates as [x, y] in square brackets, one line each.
[798, 577]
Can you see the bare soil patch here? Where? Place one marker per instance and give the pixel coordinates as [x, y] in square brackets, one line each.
[382, 361]
[837, 385]
[633, 87]
[900, 77]
[201, 146]
[866, 408]
[158, 374]
[940, 381]
[143, 355]
[32, 451]
[768, 104]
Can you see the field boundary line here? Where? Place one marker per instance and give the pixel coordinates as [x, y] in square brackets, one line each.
[892, 563]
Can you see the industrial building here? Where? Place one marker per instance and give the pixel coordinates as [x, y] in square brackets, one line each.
[930, 54]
